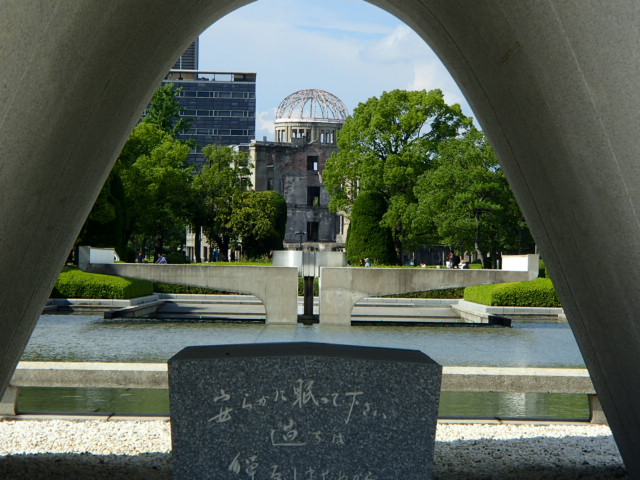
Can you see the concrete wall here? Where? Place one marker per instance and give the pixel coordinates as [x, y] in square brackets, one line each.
[553, 83]
[342, 288]
[276, 287]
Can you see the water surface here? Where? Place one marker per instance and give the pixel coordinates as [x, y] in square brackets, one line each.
[77, 338]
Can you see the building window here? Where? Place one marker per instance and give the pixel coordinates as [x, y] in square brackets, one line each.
[312, 162]
[269, 183]
[312, 231]
[313, 196]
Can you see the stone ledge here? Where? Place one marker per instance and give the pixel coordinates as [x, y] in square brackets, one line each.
[477, 313]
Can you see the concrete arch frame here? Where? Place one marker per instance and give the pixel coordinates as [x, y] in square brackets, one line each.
[553, 83]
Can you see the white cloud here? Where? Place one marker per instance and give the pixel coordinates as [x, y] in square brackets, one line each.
[400, 45]
[265, 126]
[357, 51]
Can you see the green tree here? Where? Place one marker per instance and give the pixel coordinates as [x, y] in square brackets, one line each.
[116, 215]
[367, 237]
[157, 183]
[106, 225]
[260, 222]
[221, 185]
[164, 110]
[465, 200]
[385, 146]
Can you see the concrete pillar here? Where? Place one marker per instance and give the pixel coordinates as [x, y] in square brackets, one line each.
[554, 84]
[76, 75]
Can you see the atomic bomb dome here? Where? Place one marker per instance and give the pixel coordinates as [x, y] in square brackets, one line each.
[310, 116]
[312, 104]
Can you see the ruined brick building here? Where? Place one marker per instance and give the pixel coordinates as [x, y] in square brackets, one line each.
[306, 125]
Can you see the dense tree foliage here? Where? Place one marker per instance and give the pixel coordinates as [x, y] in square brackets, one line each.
[157, 184]
[153, 193]
[221, 184]
[164, 111]
[107, 223]
[464, 200]
[121, 212]
[367, 237]
[260, 222]
[385, 146]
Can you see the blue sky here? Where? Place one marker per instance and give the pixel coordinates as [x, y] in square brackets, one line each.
[347, 47]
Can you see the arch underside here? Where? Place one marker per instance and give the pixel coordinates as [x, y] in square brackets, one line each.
[554, 85]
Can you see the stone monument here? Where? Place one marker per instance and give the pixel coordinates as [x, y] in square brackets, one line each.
[297, 411]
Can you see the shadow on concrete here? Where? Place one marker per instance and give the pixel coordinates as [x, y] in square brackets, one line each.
[46, 466]
[539, 458]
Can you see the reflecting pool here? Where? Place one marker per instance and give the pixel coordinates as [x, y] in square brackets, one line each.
[77, 338]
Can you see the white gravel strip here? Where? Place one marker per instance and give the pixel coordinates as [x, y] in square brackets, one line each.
[140, 449]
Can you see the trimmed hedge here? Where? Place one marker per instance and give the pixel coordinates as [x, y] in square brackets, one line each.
[535, 293]
[74, 283]
[159, 287]
[441, 293]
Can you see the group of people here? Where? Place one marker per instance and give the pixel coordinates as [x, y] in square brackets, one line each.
[454, 261]
[162, 259]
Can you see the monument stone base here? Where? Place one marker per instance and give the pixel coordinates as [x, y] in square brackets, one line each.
[294, 411]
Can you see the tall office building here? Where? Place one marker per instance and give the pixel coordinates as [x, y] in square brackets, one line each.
[220, 106]
[189, 59]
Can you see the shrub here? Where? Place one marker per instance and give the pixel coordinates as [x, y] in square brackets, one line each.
[316, 286]
[535, 293]
[543, 272]
[366, 238]
[159, 287]
[442, 293]
[74, 283]
[177, 258]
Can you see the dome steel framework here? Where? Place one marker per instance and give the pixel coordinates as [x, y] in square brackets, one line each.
[312, 104]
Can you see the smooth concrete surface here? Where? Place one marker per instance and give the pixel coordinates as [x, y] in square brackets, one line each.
[476, 313]
[553, 83]
[155, 375]
[342, 288]
[276, 287]
[90, 375]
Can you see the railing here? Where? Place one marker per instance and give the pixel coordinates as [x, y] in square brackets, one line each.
[154, 376]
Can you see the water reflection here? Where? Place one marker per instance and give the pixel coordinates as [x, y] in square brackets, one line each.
[90, 338]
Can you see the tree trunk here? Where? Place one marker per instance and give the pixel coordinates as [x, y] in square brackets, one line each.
[197, 242]
[479, 251]
[223, 245]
